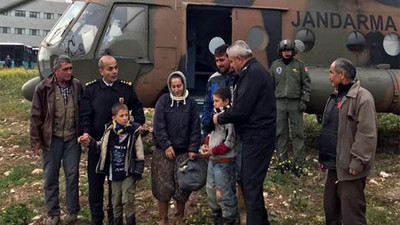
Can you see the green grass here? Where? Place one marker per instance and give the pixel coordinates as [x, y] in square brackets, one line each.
[18, 175]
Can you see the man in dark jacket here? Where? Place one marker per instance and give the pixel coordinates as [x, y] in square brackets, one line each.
[100, 95]
[253, 114]
[347, 145]
[54, 130]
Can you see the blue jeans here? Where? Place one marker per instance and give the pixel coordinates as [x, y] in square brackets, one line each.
[69, 153]
[221, 188]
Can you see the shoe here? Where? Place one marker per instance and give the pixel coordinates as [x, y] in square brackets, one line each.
[217, 218]
[297, 171]
[70, 218]
[53, 220]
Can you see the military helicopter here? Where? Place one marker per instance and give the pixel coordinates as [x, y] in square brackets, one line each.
[152, 38]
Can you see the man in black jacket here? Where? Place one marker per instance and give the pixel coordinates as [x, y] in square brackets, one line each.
[100, 95]
[253, 113]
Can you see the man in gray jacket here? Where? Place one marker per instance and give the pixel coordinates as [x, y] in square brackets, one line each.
[347, 145]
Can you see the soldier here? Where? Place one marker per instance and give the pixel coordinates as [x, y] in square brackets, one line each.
[54, 130]
[100, 95]
[224, 77]
[347, 145]
[292, 92]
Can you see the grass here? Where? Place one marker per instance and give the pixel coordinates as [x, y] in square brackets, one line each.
[290, 200]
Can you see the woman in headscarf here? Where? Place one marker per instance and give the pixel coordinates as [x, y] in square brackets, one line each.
[177, 136]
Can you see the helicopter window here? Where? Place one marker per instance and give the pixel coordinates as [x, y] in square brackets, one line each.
[257, 38]
[80, 38]
[391, 44]
[55, 35]
[126, 34]
[356, 41]
[304, 40]
[215, 43]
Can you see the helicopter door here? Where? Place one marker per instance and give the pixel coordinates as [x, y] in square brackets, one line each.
[204, 23]
[261, 29]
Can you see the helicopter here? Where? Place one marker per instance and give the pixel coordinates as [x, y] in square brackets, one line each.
[152, 38]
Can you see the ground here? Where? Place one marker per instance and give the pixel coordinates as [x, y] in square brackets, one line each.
[289, 200]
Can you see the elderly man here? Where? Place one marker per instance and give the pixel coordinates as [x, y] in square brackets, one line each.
[100, 95]
[253, 113]
[347, 145]
[54, 130]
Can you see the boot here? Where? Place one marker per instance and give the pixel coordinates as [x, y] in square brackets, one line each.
[131, 220]
[229, 222]
[216, 218]
[118, 221]
[180, 212]
[110, 217]
[162, 213]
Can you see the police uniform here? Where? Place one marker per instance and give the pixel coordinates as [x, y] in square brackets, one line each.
[292, 92]
[95, 113]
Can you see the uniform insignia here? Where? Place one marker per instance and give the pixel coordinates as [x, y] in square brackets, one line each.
[294, 70]
[279, 70]
[126, 82]
[90, 82]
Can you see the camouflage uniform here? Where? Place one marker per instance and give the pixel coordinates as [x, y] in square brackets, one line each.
[292, 92]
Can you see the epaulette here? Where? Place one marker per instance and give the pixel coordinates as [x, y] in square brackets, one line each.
[126, 82]
[90, 82]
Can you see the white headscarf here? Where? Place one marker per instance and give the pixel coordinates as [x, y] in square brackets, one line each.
[174, 98]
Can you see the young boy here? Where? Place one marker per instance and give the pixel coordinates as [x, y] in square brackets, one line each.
[221, 178]
[122, 158]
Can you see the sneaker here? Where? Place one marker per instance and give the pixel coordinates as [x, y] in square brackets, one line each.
[70, 218]
[53, 220]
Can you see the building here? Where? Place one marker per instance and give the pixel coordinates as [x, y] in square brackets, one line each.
[30, 23]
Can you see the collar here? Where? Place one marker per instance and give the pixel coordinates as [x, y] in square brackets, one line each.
[343, 89]
[107, 84]
[354, 89]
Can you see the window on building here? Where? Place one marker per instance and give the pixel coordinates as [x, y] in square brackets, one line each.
[6, 13]
[34, 32]
[20, 13]
[34, 14]
[5, 30]
[45, 32]
[49, 16]
[19, 30]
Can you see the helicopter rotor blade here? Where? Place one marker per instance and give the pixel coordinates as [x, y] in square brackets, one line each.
[15, 5]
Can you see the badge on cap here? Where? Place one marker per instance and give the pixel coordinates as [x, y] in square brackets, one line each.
[279, 70]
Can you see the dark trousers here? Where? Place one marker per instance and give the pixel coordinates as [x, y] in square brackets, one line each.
[70, 154]
[344, 201]
[96, 188]
[256, 156]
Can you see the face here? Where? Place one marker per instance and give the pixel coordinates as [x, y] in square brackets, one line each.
[121, 117]
[109, 70]
[219, 103]
[64, 72]
[223, 65]
[235, 63]
[176, 86]
[287, 54]
[334, 77]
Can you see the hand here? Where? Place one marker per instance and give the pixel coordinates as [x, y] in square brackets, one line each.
[215, 118]
[192, 155]
[136, 182]
[143, 131]
[321, 167]
[37, 152]
[84, 139]
[205, 150]
[353, 171]
[170, 153]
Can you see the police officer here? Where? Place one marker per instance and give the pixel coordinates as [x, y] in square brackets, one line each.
[98, 98]
[292, 92]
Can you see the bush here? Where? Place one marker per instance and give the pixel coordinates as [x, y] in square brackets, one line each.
[16, 214]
